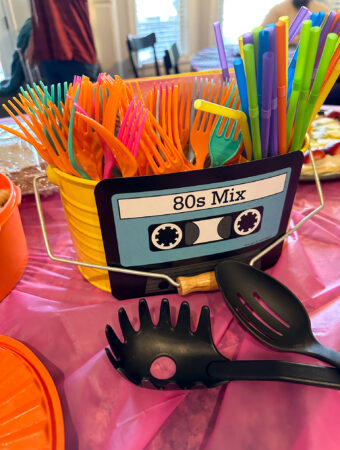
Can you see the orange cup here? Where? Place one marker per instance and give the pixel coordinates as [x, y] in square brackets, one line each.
[13, 247]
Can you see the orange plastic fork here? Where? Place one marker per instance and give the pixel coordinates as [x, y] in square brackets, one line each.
[184, 114]
[126, 162]
[159, 150]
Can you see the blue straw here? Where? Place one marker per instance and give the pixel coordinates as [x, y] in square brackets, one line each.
[317, 21]
[242, 85]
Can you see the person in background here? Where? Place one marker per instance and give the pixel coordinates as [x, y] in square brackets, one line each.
[290, 8]
[62, 40]
[10, 86]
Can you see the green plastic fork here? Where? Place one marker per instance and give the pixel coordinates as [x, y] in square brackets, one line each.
[223, 147]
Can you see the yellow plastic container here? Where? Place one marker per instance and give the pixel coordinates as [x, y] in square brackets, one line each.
[77, 196]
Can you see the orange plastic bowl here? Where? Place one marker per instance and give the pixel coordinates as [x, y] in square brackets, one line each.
[13, 247]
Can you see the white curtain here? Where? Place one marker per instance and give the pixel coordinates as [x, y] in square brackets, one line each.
[113, 20]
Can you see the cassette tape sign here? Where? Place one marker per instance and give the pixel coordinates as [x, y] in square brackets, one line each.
[166, 223]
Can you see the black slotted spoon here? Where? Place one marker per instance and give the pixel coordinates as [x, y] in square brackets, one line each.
[197, 362]
[270, 311]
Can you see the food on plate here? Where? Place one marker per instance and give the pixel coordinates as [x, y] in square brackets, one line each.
[318, 154]
[325, 144]
[335, 150]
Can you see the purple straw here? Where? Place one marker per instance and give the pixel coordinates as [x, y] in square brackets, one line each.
[248, 38]
[336, 28]
[323, 36]
[267, 91]
[221, 51]
[325, 30]
[274, 124]
[295, 28]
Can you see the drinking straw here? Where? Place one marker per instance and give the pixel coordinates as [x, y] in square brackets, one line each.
[281, 83]
[255, 33]
[267, 89]
[327, 86]
[295, 27]
[299, 71]
[320, 75]
[323, 35]
[336, 21]
[263, 48]
[240, 43]
[285, 19]
[333, 62]
[316, 19]
[247, 39]
[242, 85]
[306, 80]
[336, 25]
[221, 52]
[249, 62]
[273, 138]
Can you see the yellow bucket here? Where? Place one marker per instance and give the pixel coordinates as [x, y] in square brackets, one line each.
[77, 196]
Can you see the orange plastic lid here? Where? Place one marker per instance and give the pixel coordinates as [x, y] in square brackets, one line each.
[30, 411]
[12, 202]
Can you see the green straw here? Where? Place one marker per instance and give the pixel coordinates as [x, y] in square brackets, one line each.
[297, 82]
[306, 81]
[326, 56]
[249, 63]
[255, 33]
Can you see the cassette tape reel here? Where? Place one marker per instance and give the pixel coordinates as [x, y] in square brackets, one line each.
[168, 236]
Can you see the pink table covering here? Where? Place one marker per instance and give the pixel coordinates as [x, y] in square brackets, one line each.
[61, 317]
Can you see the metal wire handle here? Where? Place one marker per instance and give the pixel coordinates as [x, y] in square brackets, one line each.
[298, 225]
[162, 275]
[81, 263]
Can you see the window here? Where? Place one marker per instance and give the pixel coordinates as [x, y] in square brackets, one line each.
[238, 17]
[165, 19]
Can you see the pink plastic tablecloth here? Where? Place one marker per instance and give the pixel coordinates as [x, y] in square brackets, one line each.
[62, 317]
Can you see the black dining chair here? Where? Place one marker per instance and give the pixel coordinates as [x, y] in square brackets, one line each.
[135, 44]
[170, 59]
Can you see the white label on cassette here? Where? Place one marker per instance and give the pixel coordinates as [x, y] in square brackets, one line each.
[159, 205]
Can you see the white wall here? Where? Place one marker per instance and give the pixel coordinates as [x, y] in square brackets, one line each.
[21, 11]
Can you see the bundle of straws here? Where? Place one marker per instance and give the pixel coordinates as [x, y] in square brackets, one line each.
[281, 100]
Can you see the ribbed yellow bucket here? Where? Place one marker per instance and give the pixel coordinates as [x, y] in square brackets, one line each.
[77, 196]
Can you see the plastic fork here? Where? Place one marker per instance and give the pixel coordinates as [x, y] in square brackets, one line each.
[237, 116]
[132, 127]
[125, 160]
[204, 123]
[225, 142]
[184, 113]
[159, 150]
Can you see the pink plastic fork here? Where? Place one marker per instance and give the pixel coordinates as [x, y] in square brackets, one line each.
[128, 133]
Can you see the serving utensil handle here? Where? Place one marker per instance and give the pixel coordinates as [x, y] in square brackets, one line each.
[202, 282]
[325, 354]
[276, 371]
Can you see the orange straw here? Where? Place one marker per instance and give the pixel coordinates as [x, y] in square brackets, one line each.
[332, 64]
[281, 84]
